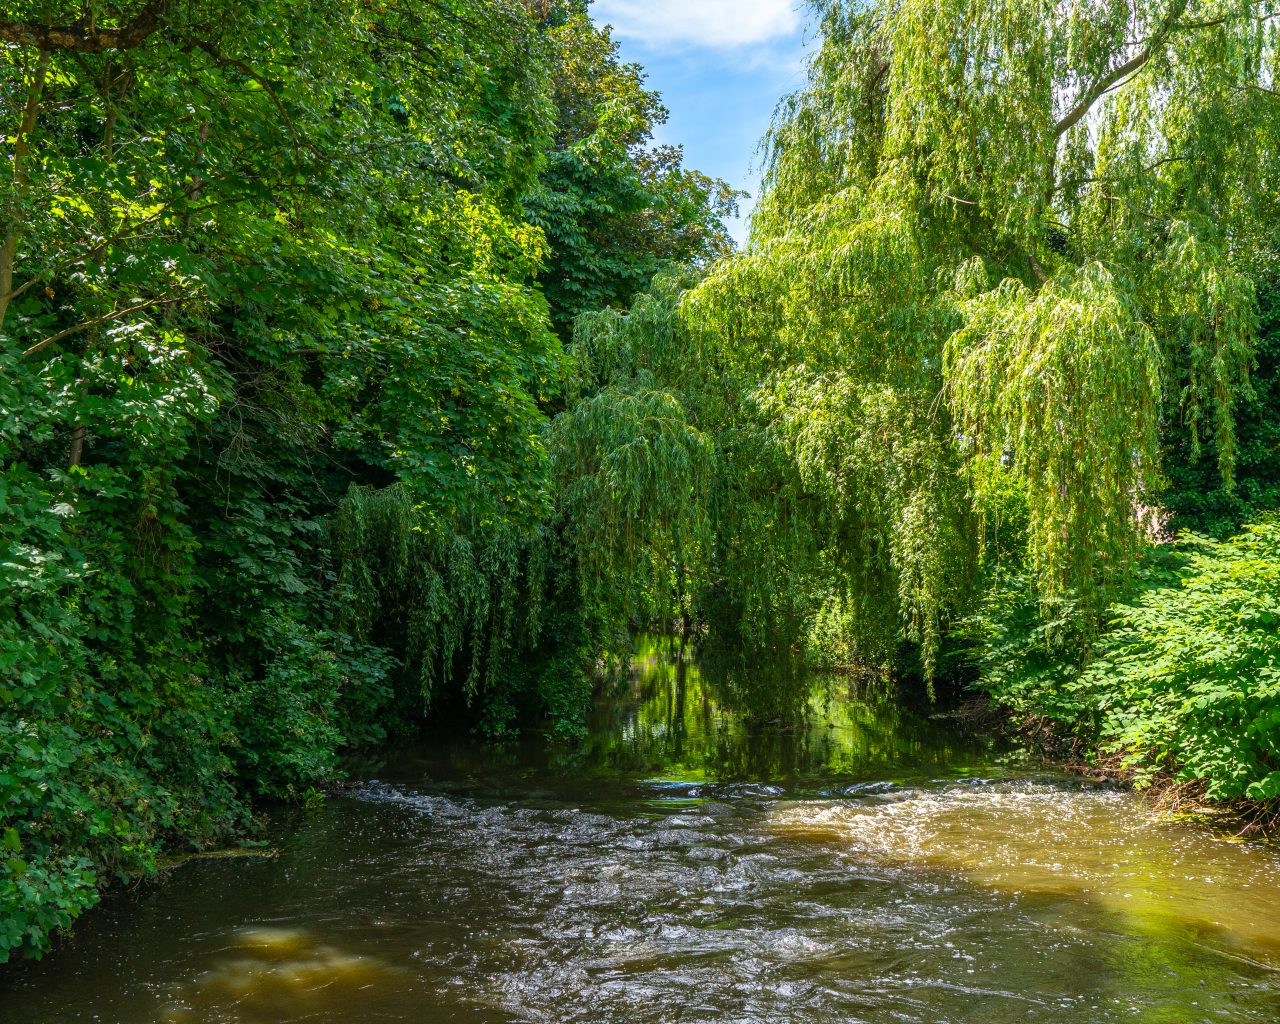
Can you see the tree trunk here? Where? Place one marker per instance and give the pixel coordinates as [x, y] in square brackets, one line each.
[77, 447]
[21, 148]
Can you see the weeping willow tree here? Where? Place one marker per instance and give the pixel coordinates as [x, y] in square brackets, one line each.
[459, 605]
[1002, 244]
[632, 462]
[1003, 253]
[681, 504]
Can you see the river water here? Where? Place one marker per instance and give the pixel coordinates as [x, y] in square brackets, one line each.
[678, 866]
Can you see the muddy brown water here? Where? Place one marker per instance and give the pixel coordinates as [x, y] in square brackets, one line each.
[677, 865]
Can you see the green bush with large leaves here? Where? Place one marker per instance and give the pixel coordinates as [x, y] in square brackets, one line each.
[1185, 680]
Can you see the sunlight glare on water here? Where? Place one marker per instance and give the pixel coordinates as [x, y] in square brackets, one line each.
[276, 974]
[1069, 840]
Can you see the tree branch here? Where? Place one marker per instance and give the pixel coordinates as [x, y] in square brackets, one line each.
[299, 141]
[1109, 178]
[1115, 76]
[1036, 269]
[87, 325]
[85, 36]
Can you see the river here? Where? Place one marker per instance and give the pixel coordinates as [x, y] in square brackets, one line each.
[677, 865]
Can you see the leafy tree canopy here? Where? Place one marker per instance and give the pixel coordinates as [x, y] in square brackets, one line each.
[253, 254]
[1023, 238]
[615, 209]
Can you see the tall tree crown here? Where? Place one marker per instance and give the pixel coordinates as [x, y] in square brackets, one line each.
[1033, 224]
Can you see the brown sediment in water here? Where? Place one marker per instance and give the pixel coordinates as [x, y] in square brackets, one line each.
[272, 973]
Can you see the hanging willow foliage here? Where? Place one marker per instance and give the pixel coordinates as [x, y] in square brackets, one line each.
[1209, 312]
[1008, 233]
[1003, 252]
[1066, 378]
[679, 496]
[633, 470]
[899, 516]
[456, 604]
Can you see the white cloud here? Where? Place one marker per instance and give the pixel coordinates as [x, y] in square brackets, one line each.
[723, 24]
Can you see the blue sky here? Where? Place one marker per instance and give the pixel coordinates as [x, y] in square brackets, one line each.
[721, 66]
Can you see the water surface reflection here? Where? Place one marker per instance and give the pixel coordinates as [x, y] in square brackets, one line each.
[682, 865]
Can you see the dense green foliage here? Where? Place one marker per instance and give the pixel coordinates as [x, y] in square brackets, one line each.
[1196, 495]
[274, 381]
[615, 210]
[1186, 679]
[1006, 279]
[1006, 234]
[363, 360]
[208, 338]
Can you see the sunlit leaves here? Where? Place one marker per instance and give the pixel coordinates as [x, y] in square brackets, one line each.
[271, 252]
[1184, 683]
[616, 209]
[1036, 224]
[1066, 380]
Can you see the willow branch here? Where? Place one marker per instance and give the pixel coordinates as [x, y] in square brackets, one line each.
[1117, 75]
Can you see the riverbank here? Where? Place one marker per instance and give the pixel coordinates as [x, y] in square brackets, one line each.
[1163, 791]
[1060, 748]
[1177, 696]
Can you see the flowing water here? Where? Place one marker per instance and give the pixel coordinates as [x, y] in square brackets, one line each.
[876, 866]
